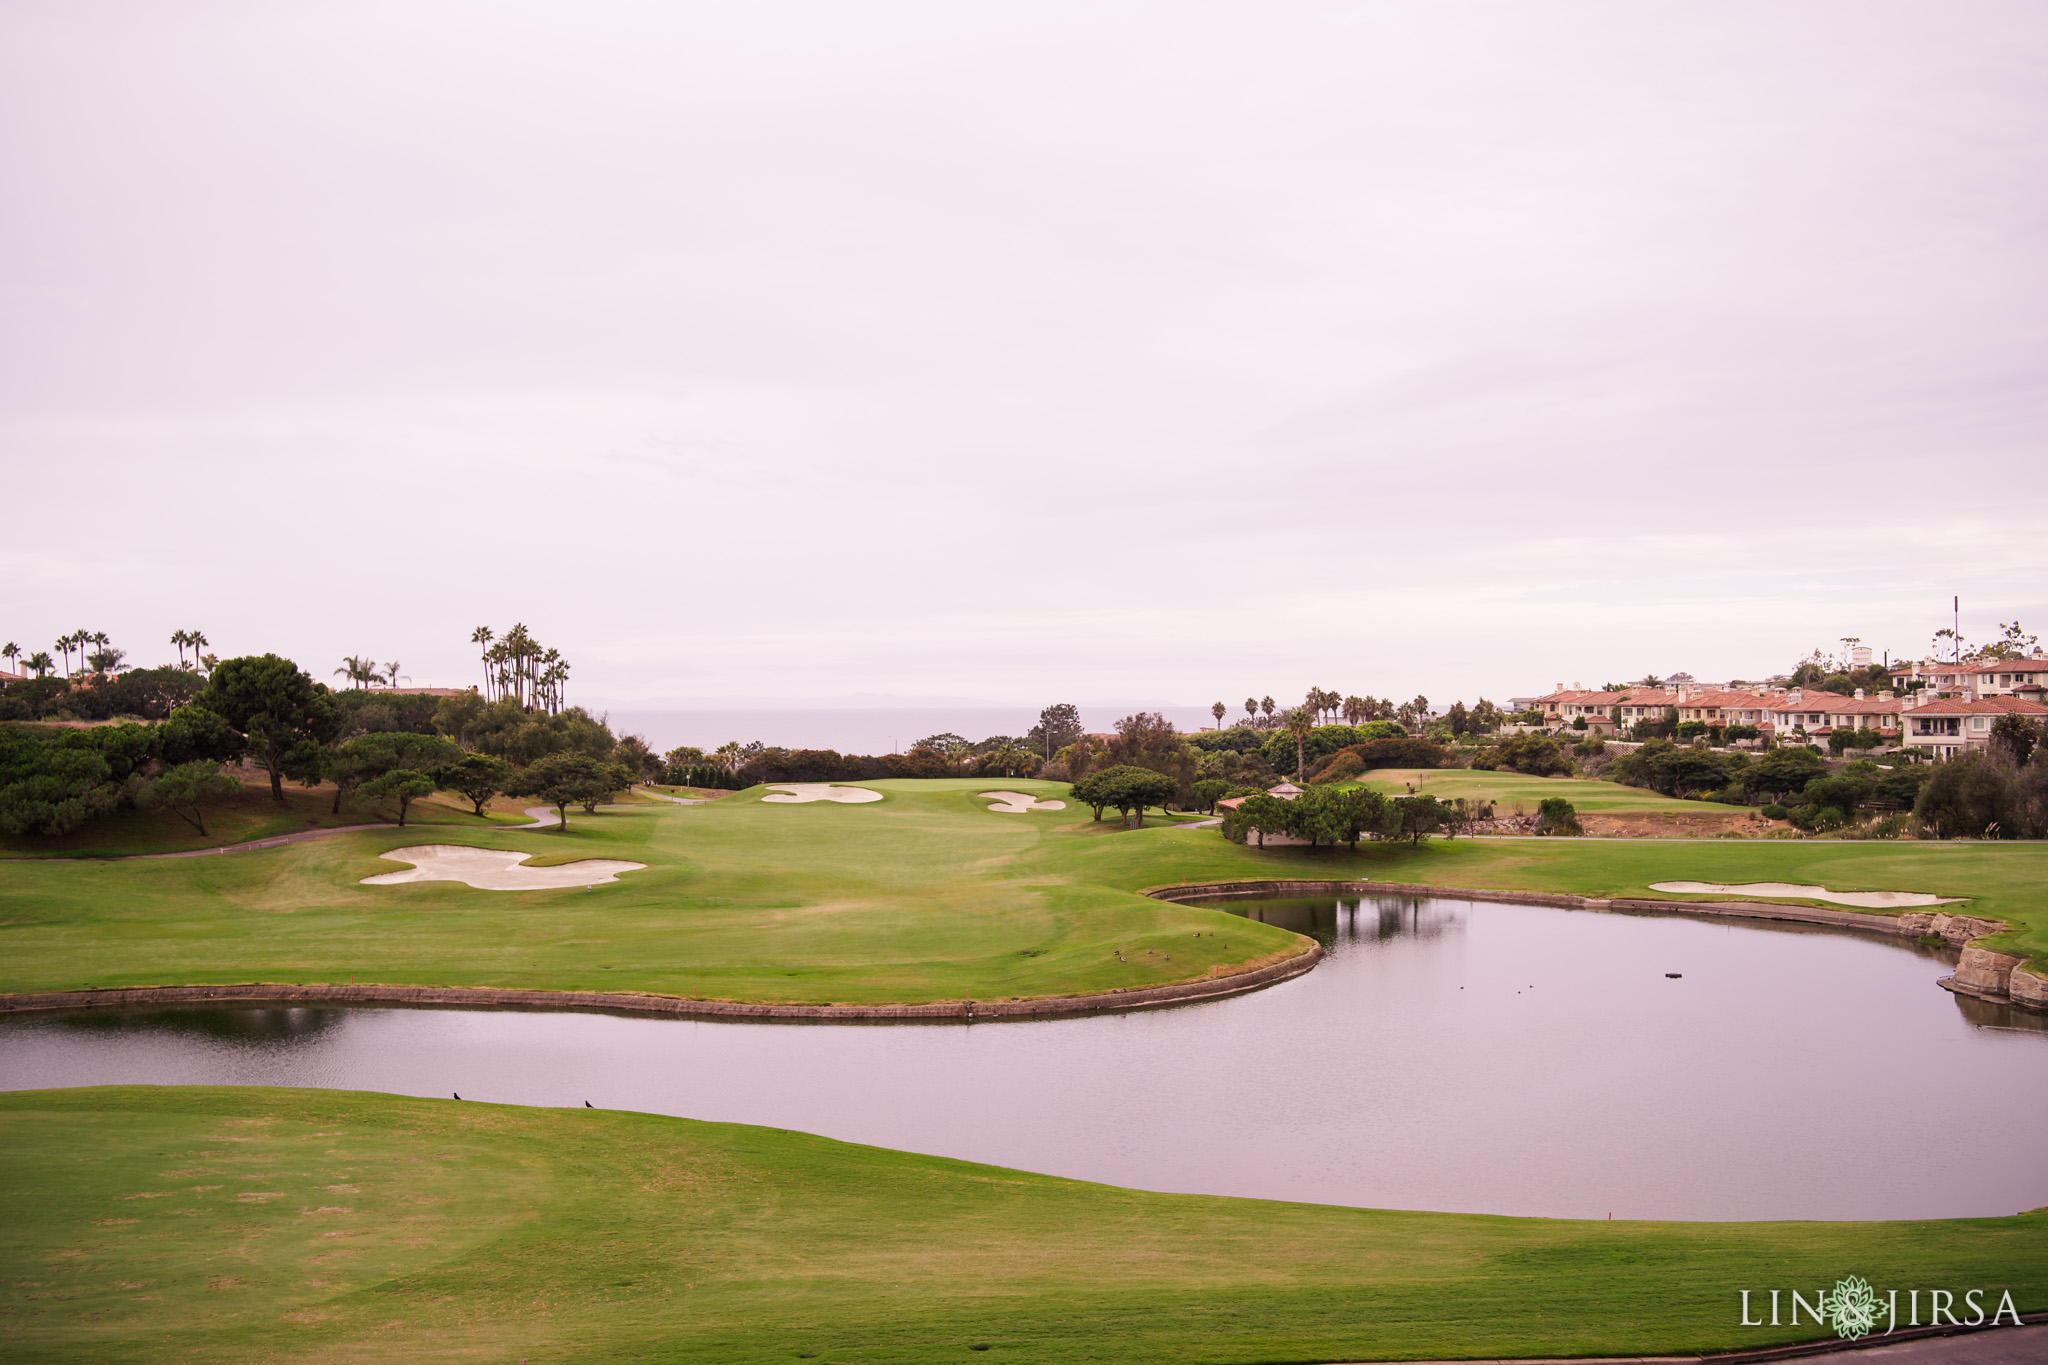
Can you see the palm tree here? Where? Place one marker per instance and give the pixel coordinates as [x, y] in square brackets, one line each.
[1354, 710]
[1251, 709]
[1218, 711]
[1301, 723]
[107, 659]
[178, 639]
[1266, 704]
[41, 662]
[359, 672]
[10, 652]
[391, 674]
[482, 637]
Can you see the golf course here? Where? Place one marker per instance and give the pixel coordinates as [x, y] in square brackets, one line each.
[206, 1224]
[228, 1223]
[926, 895]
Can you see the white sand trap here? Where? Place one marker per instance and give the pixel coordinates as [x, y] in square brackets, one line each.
[1870, 900]
[490, 869]
[1019, 803]
[820, 791]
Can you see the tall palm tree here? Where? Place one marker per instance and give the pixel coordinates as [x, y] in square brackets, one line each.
[98, 640]
[1301, 723]
[391, 674]
[1251, 709]
[10, 652]
[1218, 711]
[41, 662]
[178, 639]
[481, 637]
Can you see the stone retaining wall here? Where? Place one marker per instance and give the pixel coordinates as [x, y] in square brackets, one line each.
[1983, 973]
[941, 1011]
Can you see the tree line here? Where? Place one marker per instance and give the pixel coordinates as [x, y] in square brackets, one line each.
[267, 712]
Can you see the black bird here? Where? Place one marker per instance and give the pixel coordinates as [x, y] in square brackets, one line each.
[456, 1096]
[588, 1105]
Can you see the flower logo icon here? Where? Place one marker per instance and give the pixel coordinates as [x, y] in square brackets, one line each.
[1852, 1307]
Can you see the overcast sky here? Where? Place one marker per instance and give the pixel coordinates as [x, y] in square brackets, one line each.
[1025, 351]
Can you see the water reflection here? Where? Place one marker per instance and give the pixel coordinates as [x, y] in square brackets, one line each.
[1448, 1054]
[1336, 922]
[212, 1022]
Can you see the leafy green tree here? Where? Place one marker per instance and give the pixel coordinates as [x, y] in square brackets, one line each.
[567, 779]
[1148, 740]
[278, 710]
[1970, 797]
[1259, 814]
[1058, 726]
[1415, 818]
[1127, 790]
[1208, 792]
[2016, 735]
[403, 785]
[476, 776]
[1782, 772]
[189, 788]
[1555, 815]
[948, 743]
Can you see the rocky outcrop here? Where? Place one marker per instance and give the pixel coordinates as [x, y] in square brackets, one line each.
[1983, 972]
[2026, 988]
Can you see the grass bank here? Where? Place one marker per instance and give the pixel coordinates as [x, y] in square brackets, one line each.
[923, 896]
[216, 1224]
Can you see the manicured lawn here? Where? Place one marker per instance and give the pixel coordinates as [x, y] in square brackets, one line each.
[925, 895]
[249, 815]
[1516, 789]
[215, 1224]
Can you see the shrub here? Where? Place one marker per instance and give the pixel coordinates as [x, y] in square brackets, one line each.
[1536, 755]
[1341, 768]
[1774, 811]
[1394, 752]
[1557, 816]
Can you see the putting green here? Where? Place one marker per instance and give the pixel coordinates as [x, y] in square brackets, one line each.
[209, 1224]
[926, 895]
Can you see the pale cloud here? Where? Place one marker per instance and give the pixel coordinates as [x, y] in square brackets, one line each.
[1127, 350]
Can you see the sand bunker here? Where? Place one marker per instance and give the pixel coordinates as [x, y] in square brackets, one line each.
[489, 869]
[1870, 900]
[1019, 803]
[820, 791]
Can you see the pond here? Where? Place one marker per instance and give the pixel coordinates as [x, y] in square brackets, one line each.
[1448, 1055]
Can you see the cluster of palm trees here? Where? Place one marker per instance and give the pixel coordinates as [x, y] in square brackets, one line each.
[368, 672]
[519, 667]
[94, 652]
[194, 640]
[1321, 707]
[39, 663]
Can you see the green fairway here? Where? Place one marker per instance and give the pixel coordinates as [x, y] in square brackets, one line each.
[923, 896]
[213, 1224]
[1512, 789]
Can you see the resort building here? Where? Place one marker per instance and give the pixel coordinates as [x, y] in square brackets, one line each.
[1948, 726]
[1819, 714]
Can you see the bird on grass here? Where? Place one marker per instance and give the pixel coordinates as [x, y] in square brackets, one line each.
[456, 1096]
[588, 1105]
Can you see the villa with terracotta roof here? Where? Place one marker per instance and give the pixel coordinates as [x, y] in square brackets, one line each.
[1985, 678]
[1948, 726]
[1820, 714]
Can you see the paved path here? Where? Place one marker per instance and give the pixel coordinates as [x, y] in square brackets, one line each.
[1994, 1346]
[275, 841]
[542, 817]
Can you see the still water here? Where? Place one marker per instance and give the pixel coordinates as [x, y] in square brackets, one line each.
[1449, 1055]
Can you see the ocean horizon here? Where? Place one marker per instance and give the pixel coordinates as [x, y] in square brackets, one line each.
[857, 729]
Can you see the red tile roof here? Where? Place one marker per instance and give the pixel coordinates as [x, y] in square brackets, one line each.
[1989, 706]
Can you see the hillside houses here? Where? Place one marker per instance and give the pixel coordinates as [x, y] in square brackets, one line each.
[2026, 678]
